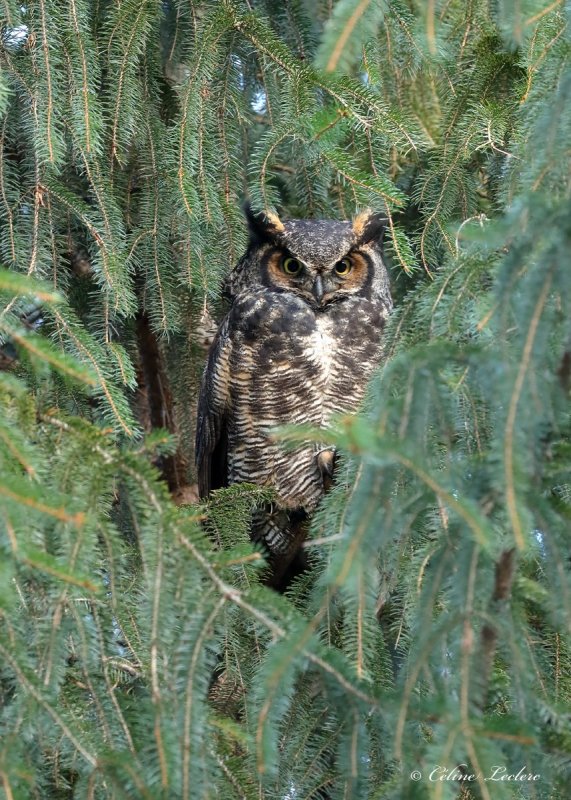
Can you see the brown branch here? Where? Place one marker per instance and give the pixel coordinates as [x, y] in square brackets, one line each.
[155, 407]
[564, 371]
[505, 568]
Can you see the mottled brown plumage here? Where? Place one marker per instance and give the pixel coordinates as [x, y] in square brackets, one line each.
[309, 301]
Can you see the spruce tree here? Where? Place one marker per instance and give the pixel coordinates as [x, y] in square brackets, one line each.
[426, 650]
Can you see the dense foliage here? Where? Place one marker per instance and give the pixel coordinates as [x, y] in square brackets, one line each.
[141, 655]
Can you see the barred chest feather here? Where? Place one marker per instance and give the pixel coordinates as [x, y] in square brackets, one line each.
[290, 365]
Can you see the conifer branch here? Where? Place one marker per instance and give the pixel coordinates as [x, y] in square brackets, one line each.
[345, 34]
[235, 596]
[512, 413]
[7, 207]
[85, 84]
[120, 417]
[50, 103]
[29, 685]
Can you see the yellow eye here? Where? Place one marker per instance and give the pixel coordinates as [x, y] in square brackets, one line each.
[343, 267]
[291, 266]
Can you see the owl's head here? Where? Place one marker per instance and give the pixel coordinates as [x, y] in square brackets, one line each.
[322, 261]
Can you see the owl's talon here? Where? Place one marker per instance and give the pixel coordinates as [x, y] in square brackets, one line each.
[326, 461]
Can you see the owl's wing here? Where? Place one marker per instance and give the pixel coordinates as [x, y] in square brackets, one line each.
[211, 436]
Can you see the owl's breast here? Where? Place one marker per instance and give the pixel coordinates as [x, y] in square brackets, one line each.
[352, 331]
[292, 365]
[278, 347]
[276, 380]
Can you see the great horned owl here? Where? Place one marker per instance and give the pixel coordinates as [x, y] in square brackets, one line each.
[309, 301]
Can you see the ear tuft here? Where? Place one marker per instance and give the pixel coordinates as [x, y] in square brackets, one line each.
[369, 227]
[264, 225]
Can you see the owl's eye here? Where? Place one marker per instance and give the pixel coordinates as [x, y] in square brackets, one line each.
[343, 267]
[291, 266]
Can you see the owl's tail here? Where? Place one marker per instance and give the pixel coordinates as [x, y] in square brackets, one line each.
[281, 532]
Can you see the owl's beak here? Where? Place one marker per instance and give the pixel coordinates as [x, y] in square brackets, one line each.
[317, 290]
